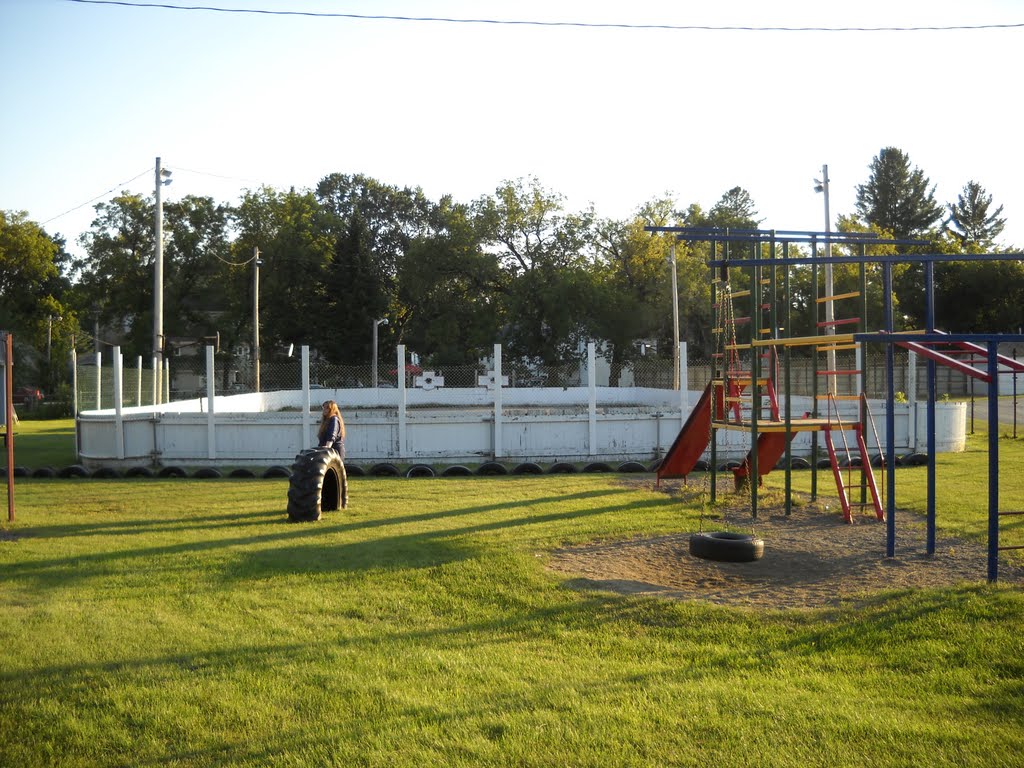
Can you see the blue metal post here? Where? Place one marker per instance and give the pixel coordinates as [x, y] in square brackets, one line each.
[993, 461]
[890, 419]
[929, 303]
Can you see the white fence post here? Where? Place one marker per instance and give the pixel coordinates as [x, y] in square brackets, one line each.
[99, 380]
[497, 401]
[306, 438]
[211, 396]
[138, 380]
[118, 404]
[684, 381]
[400, 376]
[592, 398]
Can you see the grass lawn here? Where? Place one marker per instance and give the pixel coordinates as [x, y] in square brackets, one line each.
[186, 623]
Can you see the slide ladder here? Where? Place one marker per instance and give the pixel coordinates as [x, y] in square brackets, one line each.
[867, 485]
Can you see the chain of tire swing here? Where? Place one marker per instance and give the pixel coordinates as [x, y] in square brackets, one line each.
[724, 335]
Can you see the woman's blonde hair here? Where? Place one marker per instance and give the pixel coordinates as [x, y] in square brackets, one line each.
[332, 410]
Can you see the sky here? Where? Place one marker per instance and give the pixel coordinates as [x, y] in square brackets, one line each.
[608, 117]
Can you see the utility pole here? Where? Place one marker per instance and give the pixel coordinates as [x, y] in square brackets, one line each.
[830, 316]
[675, 320]
[256, 262]
[162, 178]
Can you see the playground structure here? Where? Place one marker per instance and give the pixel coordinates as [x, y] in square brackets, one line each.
[747, 293]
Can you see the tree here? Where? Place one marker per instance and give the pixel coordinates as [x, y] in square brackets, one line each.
[734, 210]
[548, 289]
[370, 226]
[896, 198]
[115, 276]
[970, 220]
[116, 280]
[290, 231]
[632, 277]
[32, 292]
[27, 263]
[446, 290]
[980, 296]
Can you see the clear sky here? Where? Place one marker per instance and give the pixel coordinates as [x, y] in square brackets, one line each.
[609, 117]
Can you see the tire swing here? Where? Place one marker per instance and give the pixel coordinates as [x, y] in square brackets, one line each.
[726, 547]
[318, 484]
[723, 546]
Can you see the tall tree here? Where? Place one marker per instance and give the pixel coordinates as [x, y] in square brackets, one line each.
[735, 210]
[27, 264]
[32, 295]
[898, 198]
[970, 220]
[115, 276]
[548, 290]
[371, 226]
[296, 249]
[633, 275]
[446, 290]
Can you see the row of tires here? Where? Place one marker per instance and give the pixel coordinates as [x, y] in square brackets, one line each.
[387, 469]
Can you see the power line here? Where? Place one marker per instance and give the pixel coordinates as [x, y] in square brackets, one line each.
[537, 23]
[217, 175]
[99, 196]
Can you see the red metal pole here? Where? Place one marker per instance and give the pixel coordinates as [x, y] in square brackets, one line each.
[9, 435]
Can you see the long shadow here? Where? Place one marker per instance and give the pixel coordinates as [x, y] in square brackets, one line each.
[81, 566]
[137, 525]
[411, 550]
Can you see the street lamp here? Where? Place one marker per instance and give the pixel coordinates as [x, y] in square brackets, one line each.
[822, 186]
[376, 323]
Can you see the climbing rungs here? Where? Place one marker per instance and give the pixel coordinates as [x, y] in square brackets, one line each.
[806, 341]
[852, 372]
[837, 348]
[743, 381]
[838, 296]
[738, 294]
[737, 346]
[833, 323]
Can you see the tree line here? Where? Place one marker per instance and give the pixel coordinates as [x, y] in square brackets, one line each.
[453, 278]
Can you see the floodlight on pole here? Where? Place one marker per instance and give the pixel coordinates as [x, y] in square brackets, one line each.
[821, 185]
[376, 323]
[163, 178]
[675, 319]
[256, 262]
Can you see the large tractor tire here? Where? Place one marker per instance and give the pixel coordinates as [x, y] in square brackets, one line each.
[318, 484]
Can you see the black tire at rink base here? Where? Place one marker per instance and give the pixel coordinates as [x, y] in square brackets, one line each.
[318, 484]
[726, 547]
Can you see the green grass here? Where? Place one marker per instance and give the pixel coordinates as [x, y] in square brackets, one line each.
[44, 443]
[186, 623]
[961, 488]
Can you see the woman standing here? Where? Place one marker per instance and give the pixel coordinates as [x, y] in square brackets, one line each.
[332, 429]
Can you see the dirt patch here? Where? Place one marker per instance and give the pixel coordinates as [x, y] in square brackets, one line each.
[812, 558]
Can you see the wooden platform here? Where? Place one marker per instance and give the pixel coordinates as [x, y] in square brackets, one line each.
[795, 425]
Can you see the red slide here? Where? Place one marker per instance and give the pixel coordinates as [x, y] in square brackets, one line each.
[770, 447]
[690, 442]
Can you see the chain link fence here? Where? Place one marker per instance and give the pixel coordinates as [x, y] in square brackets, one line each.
[187, 376]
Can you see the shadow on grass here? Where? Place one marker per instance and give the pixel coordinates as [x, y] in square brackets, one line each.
[313, 548]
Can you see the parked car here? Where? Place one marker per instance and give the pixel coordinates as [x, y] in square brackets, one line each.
[28, 395]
